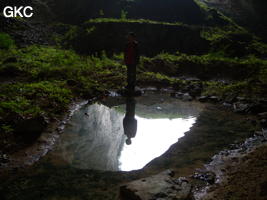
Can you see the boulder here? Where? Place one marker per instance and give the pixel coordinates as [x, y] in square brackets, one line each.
[203, 99]
[264, 133]
[256, 108]
[262, 115]
[214, 99]
[227, 105]
[30, 129]
[178, 95]
[241, 99]
[241, 108]
[263, 123]
[231, 98]
[206, 176]
[162, 186]
[195, 92]
[187, 97]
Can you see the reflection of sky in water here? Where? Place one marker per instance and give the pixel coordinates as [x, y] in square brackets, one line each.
[153, 138]
[96, 140]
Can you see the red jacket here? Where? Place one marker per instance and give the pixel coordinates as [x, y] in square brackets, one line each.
[131, 54]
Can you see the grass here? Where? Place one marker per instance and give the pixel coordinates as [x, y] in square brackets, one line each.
[233, 41]
[43, 81]
[248, 75]
[127, 20]
[212, 63]
[6, 42]
[33, 99]
[46, 79]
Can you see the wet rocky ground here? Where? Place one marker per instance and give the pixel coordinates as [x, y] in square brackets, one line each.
[236, 173]
[216, 128]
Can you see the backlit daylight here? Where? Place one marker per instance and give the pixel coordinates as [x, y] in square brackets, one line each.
[153, 138]
[133, 99]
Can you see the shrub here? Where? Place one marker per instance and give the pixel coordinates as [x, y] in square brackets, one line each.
[6, 42]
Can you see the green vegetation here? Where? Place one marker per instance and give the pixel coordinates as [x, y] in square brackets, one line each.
[101, 12]
[46, 79]
[229, 40]
[32, 99]
[247, 76]
[43, 81]
[213, 63]
[124, 14]
[6, 42]
[233, 40]
[124, 19]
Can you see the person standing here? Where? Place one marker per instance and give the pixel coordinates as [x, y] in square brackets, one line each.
[131, 60]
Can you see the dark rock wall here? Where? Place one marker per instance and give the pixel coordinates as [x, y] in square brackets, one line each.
[153, 38]
[94, 140]
[249, 13]
[70, 11]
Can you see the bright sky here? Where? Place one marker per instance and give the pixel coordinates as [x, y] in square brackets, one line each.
[153, 138]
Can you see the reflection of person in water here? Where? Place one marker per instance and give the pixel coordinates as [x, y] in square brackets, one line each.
[129, 122]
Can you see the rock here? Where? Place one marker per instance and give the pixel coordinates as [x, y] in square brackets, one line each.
[263, 101]
[112, 94]
[262, 115]
[173, 94]
[4, 158]
[187, 97]
[195, 92]
[231, 99]
[256, 108]
[203, 99]
[241, 99]
[252, 121]
[264, 133]
[206, 176]
[241, 107]
[214, 99]
[258, 133]
[30, 129]
[126, 93]
[138, 93]
[177, 95]
[263, 123]
[159, 108]
[253, 108]
[192, 79]
[227, 105]
[160, 186]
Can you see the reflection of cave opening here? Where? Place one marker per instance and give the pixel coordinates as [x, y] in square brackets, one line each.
[96, 140]
[153, 138]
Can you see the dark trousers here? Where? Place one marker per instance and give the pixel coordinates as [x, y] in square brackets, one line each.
[131, 77]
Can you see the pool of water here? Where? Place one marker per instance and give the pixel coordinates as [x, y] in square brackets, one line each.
[153, 138]
[124, 134]
[95, 138]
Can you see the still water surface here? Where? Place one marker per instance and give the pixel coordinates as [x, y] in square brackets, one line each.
[153, 138]
[95, 137]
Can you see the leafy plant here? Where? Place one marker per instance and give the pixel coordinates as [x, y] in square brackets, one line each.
[124, 14]
[6, 42]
